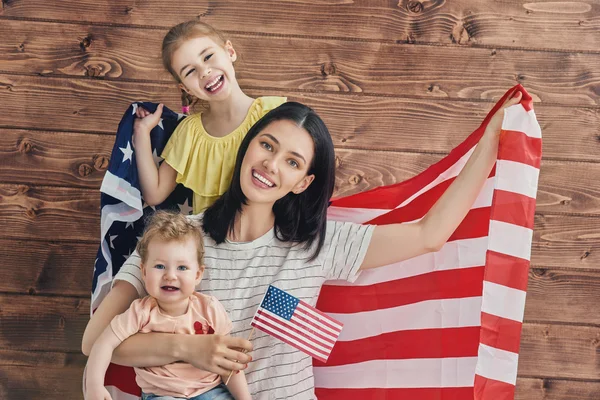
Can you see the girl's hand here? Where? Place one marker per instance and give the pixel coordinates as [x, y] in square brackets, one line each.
[145, 122]
[97, 393]
[493, 127]
[217, 353]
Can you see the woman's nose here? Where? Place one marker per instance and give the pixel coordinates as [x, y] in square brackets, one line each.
[270, 164]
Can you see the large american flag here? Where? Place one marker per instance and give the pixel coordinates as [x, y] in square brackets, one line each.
[297, 323]
[443, 326]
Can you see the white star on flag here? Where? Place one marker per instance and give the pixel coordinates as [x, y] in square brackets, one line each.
[157, 158]
[161, 125]
[129, 224]
[185, 208]
[135, 107]
[179, 116]
[126, 256]
[111, 241]
[127, 152]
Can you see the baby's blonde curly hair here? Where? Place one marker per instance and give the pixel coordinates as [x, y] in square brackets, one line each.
[170, 226]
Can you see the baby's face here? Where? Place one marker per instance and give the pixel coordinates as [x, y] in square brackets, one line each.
[171, 271]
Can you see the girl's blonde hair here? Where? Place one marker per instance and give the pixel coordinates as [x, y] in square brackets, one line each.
[170, 226]
[179, 34]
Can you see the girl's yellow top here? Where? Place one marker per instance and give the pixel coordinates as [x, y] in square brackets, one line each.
[205, 163]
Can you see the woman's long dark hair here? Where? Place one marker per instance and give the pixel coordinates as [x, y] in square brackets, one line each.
[300, 218]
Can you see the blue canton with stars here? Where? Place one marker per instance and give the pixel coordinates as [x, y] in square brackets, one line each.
[279, 302]
[121, 236]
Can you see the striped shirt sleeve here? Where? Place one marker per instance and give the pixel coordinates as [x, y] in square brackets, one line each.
[131, 272]
[346, 245]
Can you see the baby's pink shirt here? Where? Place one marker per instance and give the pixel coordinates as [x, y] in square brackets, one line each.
[205, 315]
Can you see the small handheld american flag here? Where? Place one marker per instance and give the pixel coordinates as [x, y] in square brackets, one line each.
[296, 323]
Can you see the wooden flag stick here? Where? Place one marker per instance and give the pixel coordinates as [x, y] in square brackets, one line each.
[244, 351]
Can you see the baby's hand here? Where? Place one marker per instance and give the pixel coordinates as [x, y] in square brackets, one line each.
[145, 122]
[97, 393]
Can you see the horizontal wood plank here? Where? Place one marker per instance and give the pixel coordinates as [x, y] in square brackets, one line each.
[35, 375]
[47, 268]
[324, 65]
[50, 213]
[555, 389]
[561, 351]
[466, 23]
[419, 125]
[568, 296]
[54, 158]
[57, 324]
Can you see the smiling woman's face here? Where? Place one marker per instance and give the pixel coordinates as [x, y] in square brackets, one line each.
[277, 162]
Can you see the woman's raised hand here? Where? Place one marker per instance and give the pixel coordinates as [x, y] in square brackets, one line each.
[493, 127]
[217, 353]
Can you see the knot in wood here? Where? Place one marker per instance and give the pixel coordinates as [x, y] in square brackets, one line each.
[22, 189]
[100, 162]
[31, 291]
[538, 271]
[328, 69]
[338, 162]
[415, 6]
[22, 47]
[93, 70]
[128, 10]
[85, 42]
[85, 170]
[25, 146]
[355, 179]
[31, 213]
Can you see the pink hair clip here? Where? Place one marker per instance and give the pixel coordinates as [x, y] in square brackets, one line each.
[185, 109]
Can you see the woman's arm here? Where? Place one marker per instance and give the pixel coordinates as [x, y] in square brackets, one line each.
[116, 302]
[209, 352]
[398, 242]
[156, 183]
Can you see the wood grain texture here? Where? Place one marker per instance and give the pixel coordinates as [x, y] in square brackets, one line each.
[570, 25]
[356, 121]
[561, 351]
[35, 375]
[47, 268]
[50, 213]
[568, 296]
[555, 389]
[54, 158]
[324, 65]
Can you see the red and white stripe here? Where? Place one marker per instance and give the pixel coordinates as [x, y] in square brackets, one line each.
[445, 324]
[308, 330]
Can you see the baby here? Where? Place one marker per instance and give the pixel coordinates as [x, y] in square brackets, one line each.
[172, 264]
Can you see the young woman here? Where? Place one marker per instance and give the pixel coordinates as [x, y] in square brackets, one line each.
[270, 227]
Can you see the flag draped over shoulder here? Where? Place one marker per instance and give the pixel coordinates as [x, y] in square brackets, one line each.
[443, 325]
[121, 204]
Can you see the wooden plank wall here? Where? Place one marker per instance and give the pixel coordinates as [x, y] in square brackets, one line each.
[399, 83]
